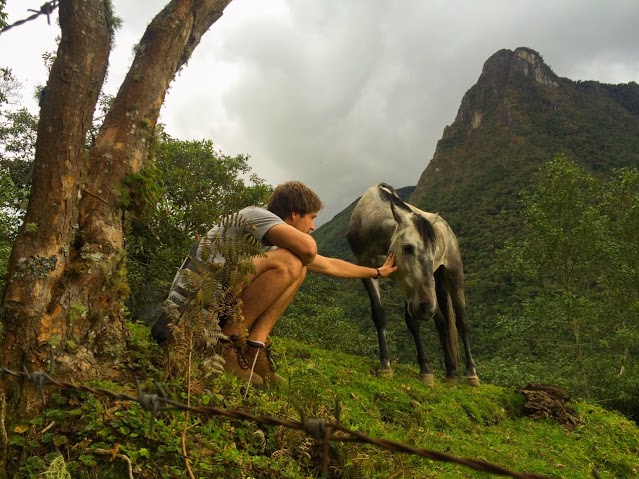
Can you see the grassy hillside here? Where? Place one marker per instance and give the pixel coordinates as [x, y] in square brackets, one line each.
[96, 436]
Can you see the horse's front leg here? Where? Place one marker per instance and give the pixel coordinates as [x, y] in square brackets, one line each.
[379, 318]
[443, 329]
[425, 371]
[459, 306]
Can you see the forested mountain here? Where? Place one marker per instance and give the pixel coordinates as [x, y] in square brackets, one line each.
[517, 116]
[545, 301]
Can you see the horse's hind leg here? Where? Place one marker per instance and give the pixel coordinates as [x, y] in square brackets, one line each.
[379, 318]
[425, 371]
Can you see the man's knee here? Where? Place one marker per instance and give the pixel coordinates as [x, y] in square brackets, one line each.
[288, 264]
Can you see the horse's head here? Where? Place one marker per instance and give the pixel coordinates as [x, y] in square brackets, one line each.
[413, 243]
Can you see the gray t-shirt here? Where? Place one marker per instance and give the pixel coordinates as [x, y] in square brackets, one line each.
[256, 221]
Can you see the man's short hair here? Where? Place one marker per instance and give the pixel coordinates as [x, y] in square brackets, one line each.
[293, 197]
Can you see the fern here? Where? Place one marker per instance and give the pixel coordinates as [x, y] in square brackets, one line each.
[214, 284]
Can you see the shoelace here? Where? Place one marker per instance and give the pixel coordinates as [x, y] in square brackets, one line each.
[251, 374]
[241, 360]
[267, 352]
[253, 368]
[271, 358]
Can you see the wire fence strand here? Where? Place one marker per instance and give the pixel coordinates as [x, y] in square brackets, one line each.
[319, 429]
[46, 9]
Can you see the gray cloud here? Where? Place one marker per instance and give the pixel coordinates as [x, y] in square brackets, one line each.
[344, 94]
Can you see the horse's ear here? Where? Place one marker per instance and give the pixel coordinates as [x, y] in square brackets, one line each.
[398, 214]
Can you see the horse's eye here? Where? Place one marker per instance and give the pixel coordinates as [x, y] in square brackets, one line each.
[408, 249]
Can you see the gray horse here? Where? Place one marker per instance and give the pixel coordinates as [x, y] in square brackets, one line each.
[430, 275]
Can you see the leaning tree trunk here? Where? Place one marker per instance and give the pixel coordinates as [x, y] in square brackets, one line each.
[62, 307]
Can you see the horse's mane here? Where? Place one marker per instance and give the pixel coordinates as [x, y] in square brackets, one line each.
[388, 194]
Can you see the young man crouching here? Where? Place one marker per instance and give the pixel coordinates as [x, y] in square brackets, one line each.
[290, 252]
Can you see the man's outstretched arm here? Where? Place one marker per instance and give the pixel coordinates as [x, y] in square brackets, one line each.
[343, 269]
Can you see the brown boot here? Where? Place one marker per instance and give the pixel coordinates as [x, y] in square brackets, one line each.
[235, 358]
[260, 355]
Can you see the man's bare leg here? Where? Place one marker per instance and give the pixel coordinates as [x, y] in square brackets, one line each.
[265, 322]
[278, 277]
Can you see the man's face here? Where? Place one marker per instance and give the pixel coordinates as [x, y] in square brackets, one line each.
[305, 223]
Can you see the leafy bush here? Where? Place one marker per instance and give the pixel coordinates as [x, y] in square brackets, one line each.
[182, 194]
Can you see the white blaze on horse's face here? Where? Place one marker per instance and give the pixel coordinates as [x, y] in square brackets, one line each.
[414, 260]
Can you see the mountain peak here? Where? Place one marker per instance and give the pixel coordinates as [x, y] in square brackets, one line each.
[525, 61]
[504, 71]
[517, 116]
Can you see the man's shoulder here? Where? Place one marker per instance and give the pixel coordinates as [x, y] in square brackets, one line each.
[254, 209]
[261, 220]
[255, 212]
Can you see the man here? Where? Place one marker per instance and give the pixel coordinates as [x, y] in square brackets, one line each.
[283, 230]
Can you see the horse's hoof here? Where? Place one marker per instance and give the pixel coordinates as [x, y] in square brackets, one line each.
[451, 379]
[427, 379]
[472, 381]
[386, 373]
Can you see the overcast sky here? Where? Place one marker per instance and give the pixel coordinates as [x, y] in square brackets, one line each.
[342, 94]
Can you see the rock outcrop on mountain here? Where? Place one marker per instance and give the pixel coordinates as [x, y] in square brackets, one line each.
[518, 115]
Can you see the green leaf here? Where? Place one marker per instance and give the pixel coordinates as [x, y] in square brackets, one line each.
[60, 440]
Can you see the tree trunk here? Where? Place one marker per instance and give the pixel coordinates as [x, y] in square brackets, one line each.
[62, 308]
[41, 253]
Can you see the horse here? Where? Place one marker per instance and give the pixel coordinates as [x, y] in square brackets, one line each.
[430, 275]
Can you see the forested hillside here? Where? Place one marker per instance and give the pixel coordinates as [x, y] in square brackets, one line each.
[518, 116]
[536, 172]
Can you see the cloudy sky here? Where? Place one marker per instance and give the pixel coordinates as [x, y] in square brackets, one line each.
[342, 94]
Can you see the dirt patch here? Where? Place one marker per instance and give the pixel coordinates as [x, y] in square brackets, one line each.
[546, 401]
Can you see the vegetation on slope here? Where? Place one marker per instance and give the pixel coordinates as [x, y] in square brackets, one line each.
[524, 326]
[565, 293]
[93, 435]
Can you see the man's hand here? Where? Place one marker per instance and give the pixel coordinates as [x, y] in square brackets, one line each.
[388, 267]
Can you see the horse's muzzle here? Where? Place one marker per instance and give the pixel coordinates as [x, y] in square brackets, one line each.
[424, 310]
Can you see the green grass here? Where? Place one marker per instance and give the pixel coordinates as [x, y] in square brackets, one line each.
[484, 422]
[481, 423]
